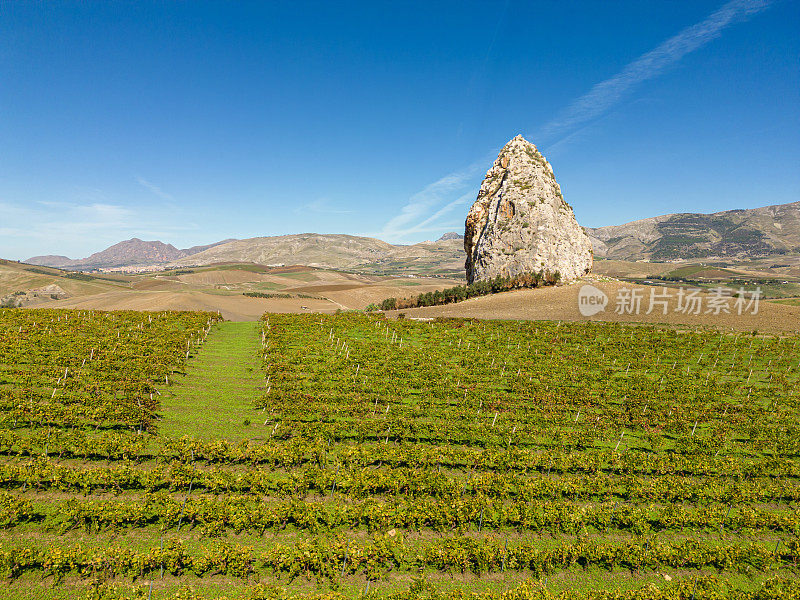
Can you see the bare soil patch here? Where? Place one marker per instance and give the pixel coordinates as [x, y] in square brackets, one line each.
[561, 303]
[233, 307]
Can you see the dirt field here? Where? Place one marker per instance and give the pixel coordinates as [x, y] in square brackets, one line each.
[561, 303]
[170, 295]
[346, 291]
[358, 296]
[626, 268]
[218, 288]
[232, 307]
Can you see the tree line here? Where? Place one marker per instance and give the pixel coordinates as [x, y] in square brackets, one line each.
[464, 292]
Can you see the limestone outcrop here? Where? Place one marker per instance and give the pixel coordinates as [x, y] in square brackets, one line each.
[520, 222]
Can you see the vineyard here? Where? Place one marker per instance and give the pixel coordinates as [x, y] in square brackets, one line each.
[400, 459]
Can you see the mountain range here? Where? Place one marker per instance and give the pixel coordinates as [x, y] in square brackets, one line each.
[753, 233]
[128, 253]
[742, 234]
[337, 251]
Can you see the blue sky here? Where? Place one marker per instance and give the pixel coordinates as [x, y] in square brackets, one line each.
[192, 122]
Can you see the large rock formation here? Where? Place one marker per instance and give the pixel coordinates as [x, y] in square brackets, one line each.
[520, 222]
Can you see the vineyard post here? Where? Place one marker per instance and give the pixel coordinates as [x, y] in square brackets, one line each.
[505, 552]
[180, 520]
[162, 557]
[725, 518]
[344, 562]
[466, 483]
[333, 487]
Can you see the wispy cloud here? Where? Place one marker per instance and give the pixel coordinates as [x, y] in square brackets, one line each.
[63, 221]
[425, 208]
[606, 94]
[77, 229]
[155, 189]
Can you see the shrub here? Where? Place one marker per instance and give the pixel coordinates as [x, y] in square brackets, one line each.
[464, 292]
[265, 295]
[389, 304]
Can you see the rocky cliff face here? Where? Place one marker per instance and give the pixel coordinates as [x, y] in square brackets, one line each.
[520, 222]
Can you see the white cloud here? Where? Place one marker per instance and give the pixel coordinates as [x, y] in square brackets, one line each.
[434, 223]
[155, 189]
[77, 229]
[610, 92]
[423, 209]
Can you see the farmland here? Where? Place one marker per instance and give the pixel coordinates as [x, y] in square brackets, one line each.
[214, 288]
[376, 457]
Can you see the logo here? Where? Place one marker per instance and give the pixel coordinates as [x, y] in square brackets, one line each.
[591, 300]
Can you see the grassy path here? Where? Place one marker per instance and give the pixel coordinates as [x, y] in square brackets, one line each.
[216, 395]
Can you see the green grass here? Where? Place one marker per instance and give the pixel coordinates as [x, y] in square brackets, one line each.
[686, 271]
[407, 283]
[790, 301]
[768, 290]
[268, 285]
[240, 267]
[306, 276]
[216, 395]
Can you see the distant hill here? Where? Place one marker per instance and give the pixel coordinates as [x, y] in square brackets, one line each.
[123, 254]
[335, 251]
[741, 234]
[310, 249]
[50, 260]
[198, 249]
[368, 255]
